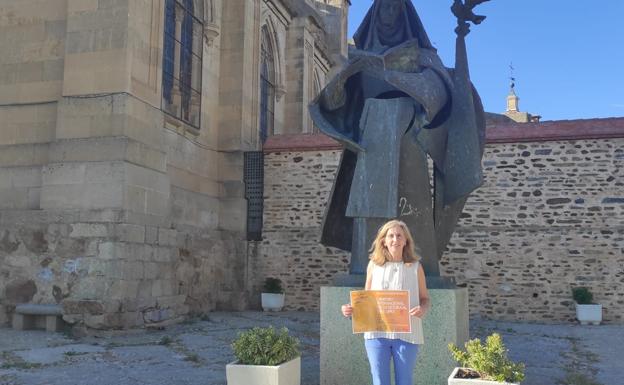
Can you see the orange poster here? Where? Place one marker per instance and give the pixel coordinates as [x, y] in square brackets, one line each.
[381, 311]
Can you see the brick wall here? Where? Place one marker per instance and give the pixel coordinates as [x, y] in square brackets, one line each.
[549, 217]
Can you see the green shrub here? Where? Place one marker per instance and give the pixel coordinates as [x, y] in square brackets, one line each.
[273, 285]
[489, 360]
[265, 346]
[582, 295]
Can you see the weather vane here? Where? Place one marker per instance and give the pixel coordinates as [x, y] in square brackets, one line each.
[511, 76]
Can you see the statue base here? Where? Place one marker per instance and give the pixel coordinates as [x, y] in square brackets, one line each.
[350, 280]
[343, 358]
[358, 280]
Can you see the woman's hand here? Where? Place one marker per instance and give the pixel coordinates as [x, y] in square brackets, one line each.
[417, 311]
[347, 310]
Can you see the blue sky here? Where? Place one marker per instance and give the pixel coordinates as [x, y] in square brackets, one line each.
[568, 55]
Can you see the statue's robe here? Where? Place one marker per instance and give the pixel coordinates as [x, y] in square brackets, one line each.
[439, 130]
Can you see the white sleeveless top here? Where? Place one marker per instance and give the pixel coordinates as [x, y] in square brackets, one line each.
[399, 276]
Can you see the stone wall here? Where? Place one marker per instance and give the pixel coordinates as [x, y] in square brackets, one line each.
[110, 274]
[296, 186]
[549, 217]
[121, 213]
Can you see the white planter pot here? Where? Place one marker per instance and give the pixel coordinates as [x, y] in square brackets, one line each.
[288, 373]
[474, 381]
[589, 314]
[272, 302]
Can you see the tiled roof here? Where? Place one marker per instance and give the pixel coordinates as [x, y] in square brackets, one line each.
[556, 130]
[495, 133]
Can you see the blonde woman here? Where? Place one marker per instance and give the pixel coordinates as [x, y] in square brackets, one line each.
[394, 265]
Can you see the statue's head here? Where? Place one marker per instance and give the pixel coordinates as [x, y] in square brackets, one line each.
[389, 23]
[389, 12]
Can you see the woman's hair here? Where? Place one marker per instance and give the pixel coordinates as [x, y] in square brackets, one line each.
[379, 253]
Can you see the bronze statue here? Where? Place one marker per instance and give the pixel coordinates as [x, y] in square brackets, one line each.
[400, 113]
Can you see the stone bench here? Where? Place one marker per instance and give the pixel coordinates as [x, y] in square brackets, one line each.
[37, 316]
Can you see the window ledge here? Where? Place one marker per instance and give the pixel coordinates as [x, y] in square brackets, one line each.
[180, 127]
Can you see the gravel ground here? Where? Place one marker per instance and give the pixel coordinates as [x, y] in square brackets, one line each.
[197, 352]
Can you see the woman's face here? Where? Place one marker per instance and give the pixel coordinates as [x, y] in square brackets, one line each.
[389, 11]
[395, 241]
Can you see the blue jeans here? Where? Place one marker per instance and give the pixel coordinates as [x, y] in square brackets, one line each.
[403, 354]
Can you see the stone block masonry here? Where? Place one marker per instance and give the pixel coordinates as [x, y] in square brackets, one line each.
[110, 207]
[548, 218]
[108, 274]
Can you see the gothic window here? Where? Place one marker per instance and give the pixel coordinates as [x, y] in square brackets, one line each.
[267, 86]
[182, 60]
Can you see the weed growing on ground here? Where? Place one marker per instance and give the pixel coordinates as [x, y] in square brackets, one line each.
[579, 367]
[20, 365]
[192, 357]
[13, 362]
[166, 340]
[577, 378]
[72, 353]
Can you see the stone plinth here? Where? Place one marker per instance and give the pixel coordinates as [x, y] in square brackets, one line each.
[343, 358]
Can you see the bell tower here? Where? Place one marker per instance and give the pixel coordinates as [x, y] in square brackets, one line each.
[513, 110]
[512, 100]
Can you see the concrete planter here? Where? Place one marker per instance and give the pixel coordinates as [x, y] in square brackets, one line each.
[589, 314]
[474, 381]
[272, 302]
[288, 373]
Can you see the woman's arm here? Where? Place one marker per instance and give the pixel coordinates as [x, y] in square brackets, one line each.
[425, 301]
[347, 309]
[423, 295]
[369, 276]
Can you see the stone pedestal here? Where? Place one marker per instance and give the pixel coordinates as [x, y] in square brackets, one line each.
[343, 358]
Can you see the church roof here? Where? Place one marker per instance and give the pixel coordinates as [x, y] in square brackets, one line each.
[499, 132]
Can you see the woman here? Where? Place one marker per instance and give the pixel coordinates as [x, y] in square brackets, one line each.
[394, 265]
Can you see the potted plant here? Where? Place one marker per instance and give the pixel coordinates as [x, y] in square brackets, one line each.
[587, 312]
[484, 364]
[265, 356]
[272, 295]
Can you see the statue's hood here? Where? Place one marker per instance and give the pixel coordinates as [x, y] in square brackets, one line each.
[370, 31]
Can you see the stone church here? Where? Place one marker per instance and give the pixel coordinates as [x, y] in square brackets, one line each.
[131, 136]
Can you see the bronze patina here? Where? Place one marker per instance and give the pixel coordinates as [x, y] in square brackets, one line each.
[413, 132]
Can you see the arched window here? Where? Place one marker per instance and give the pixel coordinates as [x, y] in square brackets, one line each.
[182, 60]
[267, 85]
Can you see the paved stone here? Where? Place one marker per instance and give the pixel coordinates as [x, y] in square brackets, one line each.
[566, 354]
[45, 356]
[197, 352]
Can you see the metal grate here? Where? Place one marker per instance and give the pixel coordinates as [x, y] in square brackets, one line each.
[254, 191]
